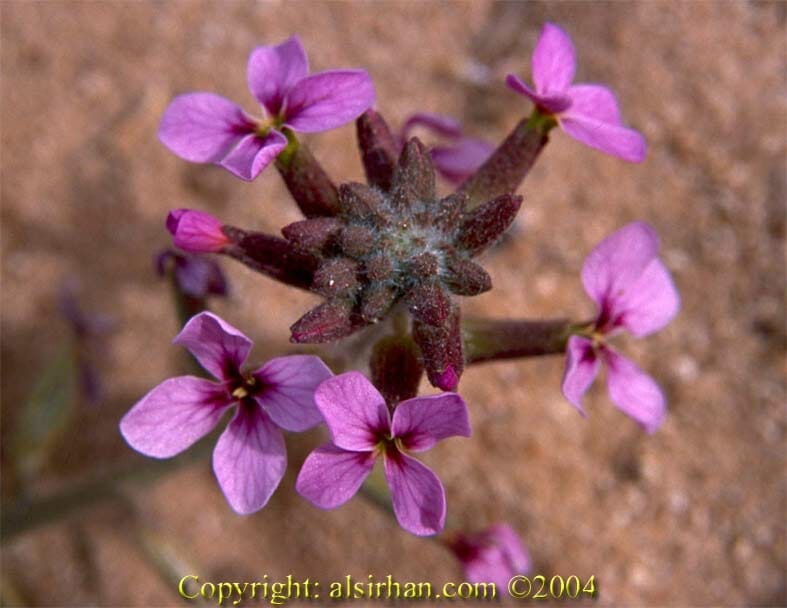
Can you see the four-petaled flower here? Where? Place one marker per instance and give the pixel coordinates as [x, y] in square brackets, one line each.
[250, 457]
[204, 127]
[459, 158]
[493, 555]
[587, 112]
[362, 429]
[634, 292]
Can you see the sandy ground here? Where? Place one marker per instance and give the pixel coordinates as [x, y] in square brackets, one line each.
[694, 515]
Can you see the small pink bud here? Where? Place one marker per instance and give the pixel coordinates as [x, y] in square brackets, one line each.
[196, 232]
[448, 380]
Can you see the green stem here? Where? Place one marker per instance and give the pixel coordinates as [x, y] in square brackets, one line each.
[23, 515]
[307, 181]
[495, 339]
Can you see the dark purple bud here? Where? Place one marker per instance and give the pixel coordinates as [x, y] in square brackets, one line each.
[429, 303]
[357, 240]
[441, 348]
[336, 276]
[464, 277]
[379, 150]
[396, 368]
[271, 256]
[360, 202]
[379, 267]
[449, 211]
[485, 224]
[313, 234]
[308, 183]
[414, 178]
[327, 322]
[376, 300]
[424, 266]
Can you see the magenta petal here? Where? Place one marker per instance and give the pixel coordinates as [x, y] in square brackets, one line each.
[440, 124]
[195, 231]
[493, 556]
[581, 369]
[202, 127]
[354, 410]
[288, 397]
[553, 103]
[416, 492]
[650, 302]
[249, 459]
[459, 161]
[331, 476]
[174, 415]
[554, 60]
[624, 143]
[253, 154]
[423, 421]
[329, 99]
[218, 346]
[617, 263]
[634, 392]
[595, 101]
[274, 69]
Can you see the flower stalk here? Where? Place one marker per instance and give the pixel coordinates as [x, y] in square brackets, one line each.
[497, 339]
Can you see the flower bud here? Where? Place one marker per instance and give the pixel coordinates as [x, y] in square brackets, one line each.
[196, 232]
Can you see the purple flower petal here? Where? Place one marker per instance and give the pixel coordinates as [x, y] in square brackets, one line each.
[423, 421]
[493, 556]
[550, 102]
[218, 346]
[354, 410]
[633, 391]
[440, 124]
[618, 262]
[650, 302]
[199, 277]
[459, 161]
[621, 142]
[594, 101]
[202, 127]
[288, 397]
[554, 60]
[416, 492]
[253, 154]
[249, 459]
[196, 232]
[329, 99]
[274, 69]
[581, 368]
[174, 415]
[331, 476]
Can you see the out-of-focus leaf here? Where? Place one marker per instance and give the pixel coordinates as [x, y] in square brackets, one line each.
[45, 414]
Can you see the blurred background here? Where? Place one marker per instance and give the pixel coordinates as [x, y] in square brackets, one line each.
[693, 515]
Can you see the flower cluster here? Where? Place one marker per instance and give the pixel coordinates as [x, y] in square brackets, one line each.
[389, 249]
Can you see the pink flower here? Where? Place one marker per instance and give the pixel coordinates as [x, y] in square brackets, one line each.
[457, 159]
[491, 556]
[250, 457]
[196, 232]
[634, 292]
[587, 112]
[207, 128]
[362, 429]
